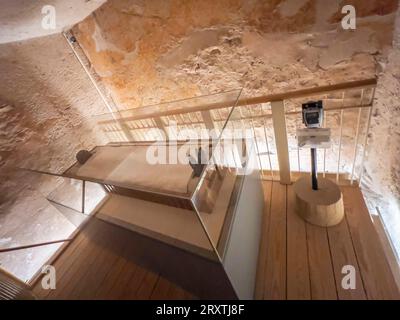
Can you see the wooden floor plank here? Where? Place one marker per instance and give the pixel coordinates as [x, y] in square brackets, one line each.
[69, 275]
[298, 274]
[322, 280]
[375, 270]
[67, 287]
[262, 258]
[114, 284]
[64, 259]
[97, 272]
[275, 270]
[176, 293]
[189, 296]
[161, 290]
[140, 285]
[343, 254]
[147, 285]
[112, 277]
[98, 265]
[121, 290]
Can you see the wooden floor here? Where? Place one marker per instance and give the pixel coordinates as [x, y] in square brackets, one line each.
[302, 261]
[297, 260]
[99, 264]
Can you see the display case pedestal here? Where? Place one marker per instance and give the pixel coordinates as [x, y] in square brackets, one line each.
[322, 207]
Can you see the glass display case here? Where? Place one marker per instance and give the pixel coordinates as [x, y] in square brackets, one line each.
[183, 174]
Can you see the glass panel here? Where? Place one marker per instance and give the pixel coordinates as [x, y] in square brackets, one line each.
[27, 263]
[47, 211]
[242, 245]
[32, 219]
[229, 201]
[143, 124]
[176, 226]
[166, 120]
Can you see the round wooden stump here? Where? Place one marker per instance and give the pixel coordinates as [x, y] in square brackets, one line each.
[322, 207]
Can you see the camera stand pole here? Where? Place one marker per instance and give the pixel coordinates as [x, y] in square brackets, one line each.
[314, 169]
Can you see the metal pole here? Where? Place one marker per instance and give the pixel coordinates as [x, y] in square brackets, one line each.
[314, 180]
[324, 171]
[83, 195]
[340, 138]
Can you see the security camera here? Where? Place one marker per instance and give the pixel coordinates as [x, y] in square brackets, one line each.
[313, 114]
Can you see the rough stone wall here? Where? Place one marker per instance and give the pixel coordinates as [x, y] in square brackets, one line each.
[152, 51]
[46, 104]
[382, 172]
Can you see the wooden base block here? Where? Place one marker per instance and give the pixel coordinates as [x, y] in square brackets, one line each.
[322, 207]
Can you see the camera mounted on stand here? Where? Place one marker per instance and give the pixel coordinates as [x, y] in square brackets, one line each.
[318, 201]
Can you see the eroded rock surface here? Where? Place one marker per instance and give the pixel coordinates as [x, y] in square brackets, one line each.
[152, 51]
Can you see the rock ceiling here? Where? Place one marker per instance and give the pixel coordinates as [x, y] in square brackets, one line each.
[151, 51]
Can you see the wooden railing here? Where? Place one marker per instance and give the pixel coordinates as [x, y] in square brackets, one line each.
[266, 115]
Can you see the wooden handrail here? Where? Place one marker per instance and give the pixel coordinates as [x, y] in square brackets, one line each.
[154, 110]
[289, 113]
[263, 116]
[368, 83]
